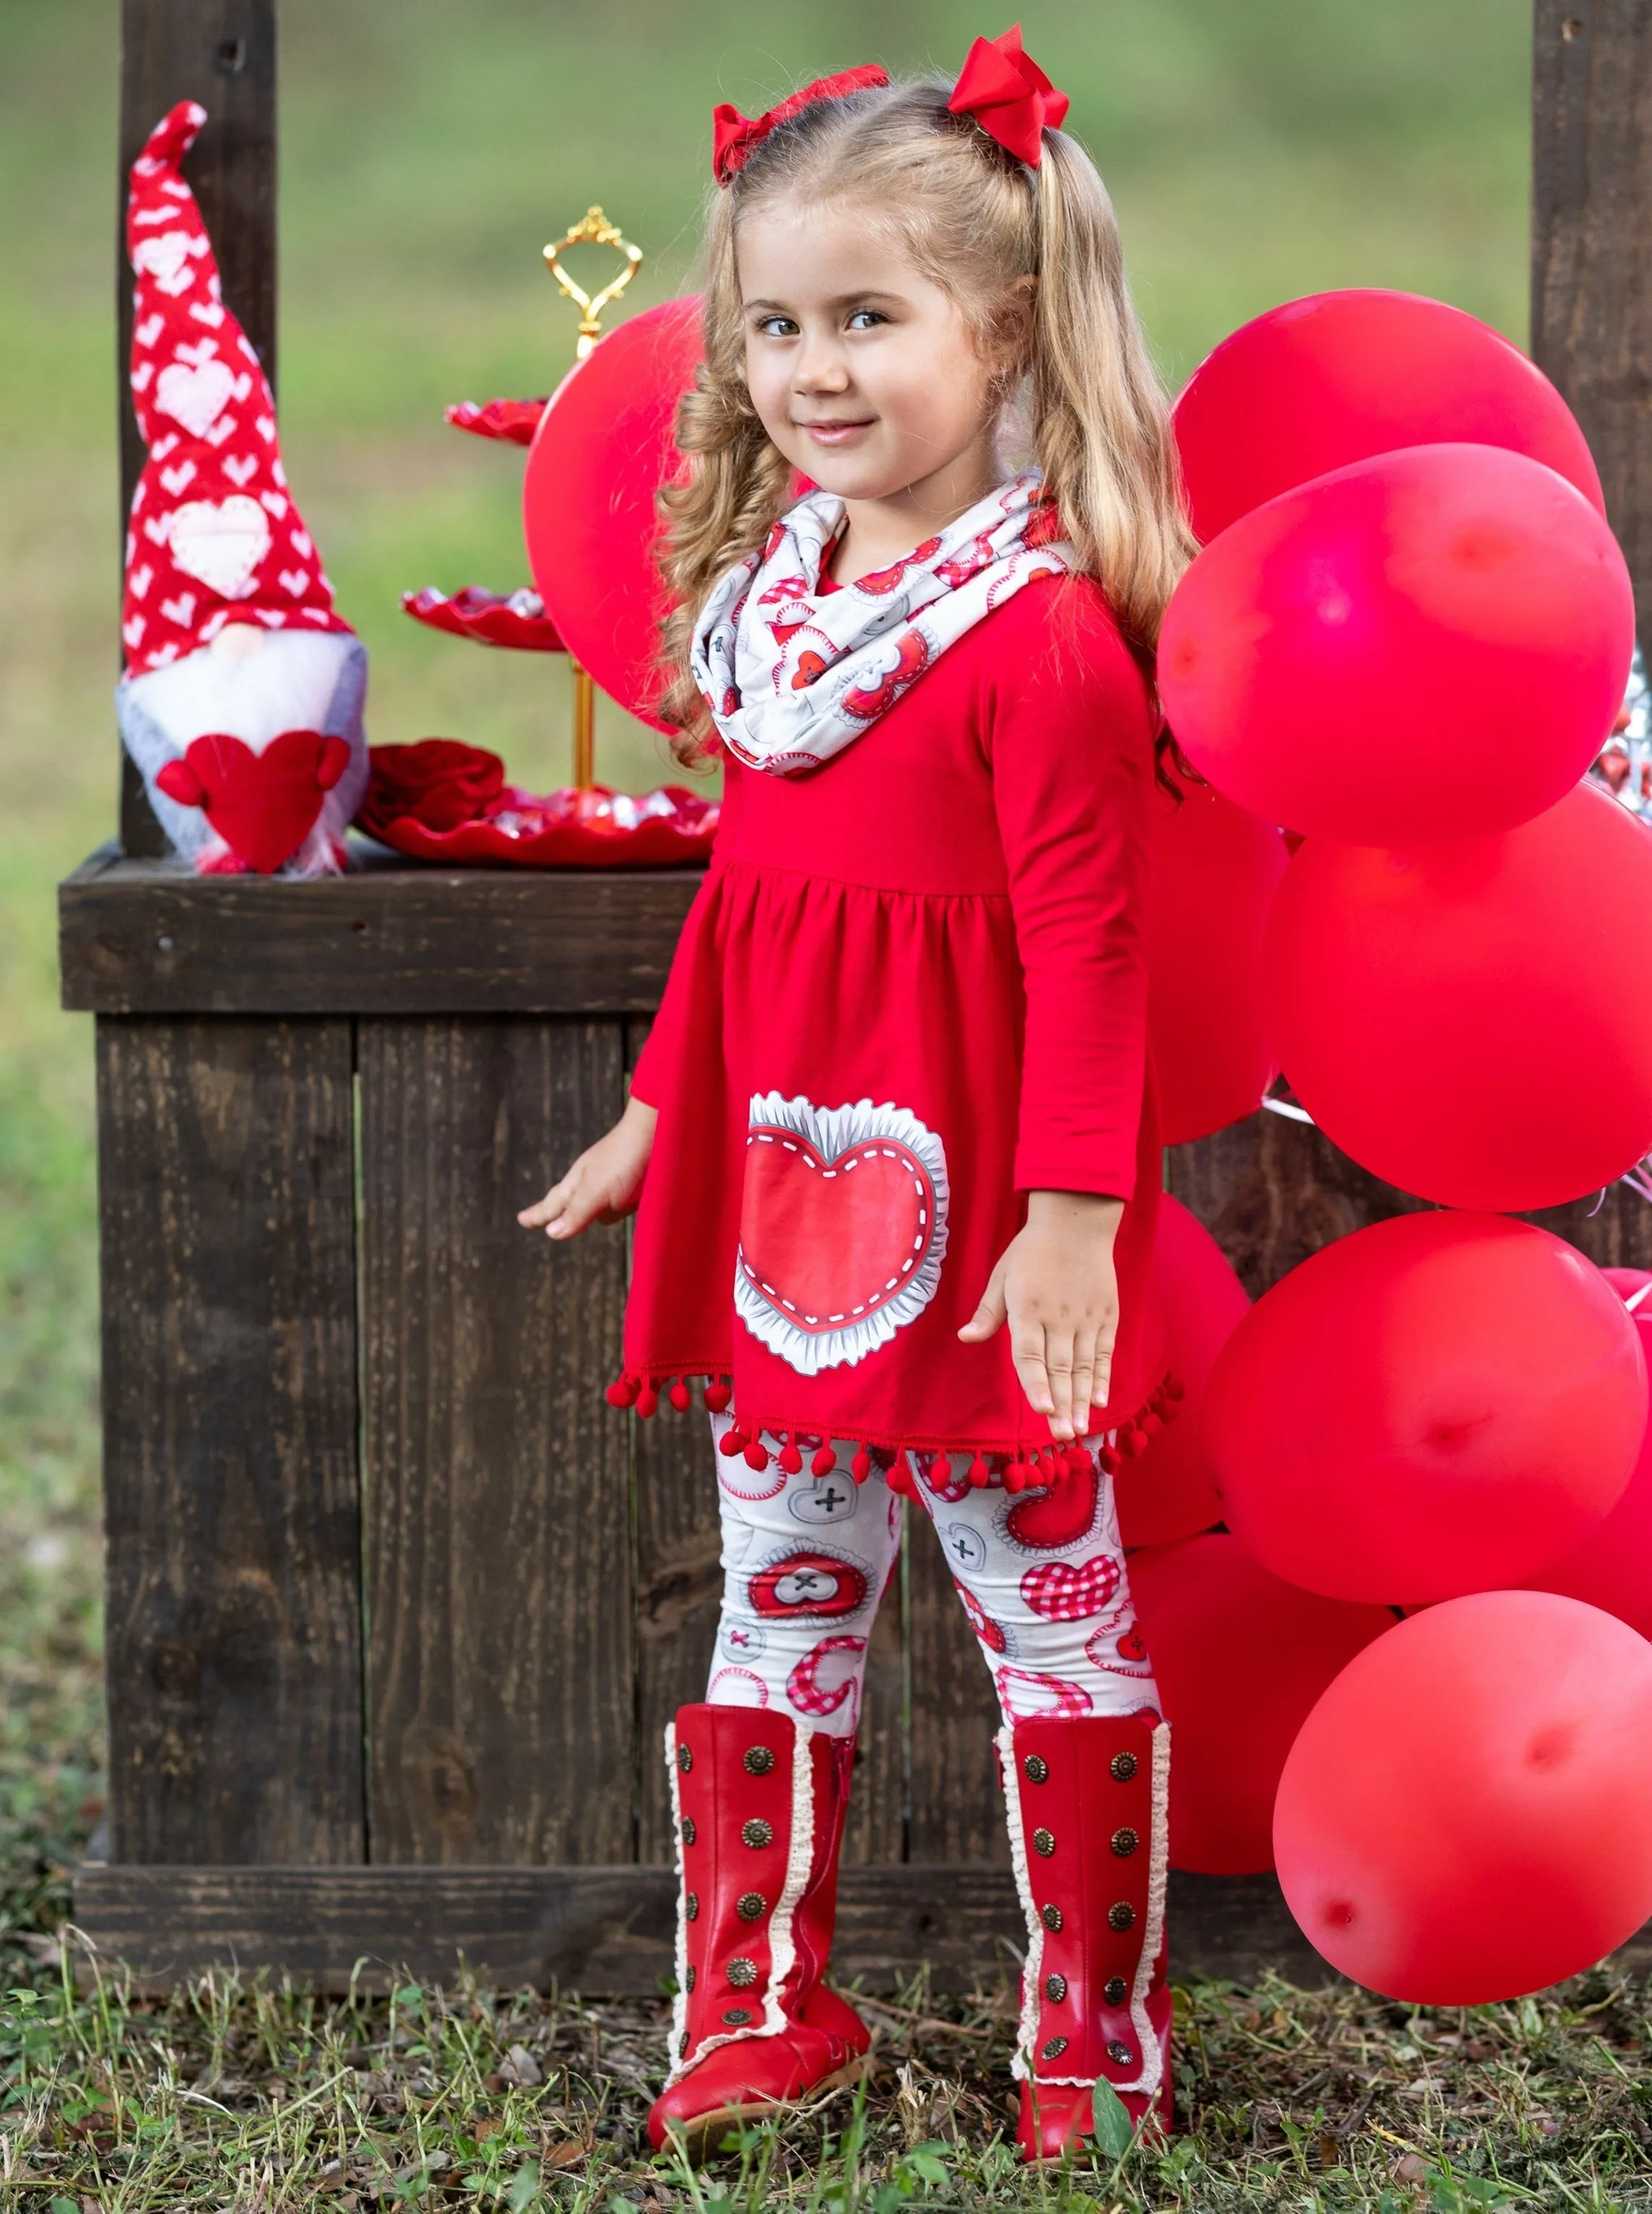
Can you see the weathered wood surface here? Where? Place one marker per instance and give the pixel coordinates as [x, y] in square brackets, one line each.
[221, 53]
[230, 1408]
[607, 1931]
[1592, 245]
[1271, 1192]
[151, 937]
[496, 1479]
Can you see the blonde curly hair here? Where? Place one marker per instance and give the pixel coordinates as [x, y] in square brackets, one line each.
[976, 221]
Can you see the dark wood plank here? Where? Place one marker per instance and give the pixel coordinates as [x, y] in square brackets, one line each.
[229, 1399]
[1271, 1192]
[141, 937]
[1591, 265]
[875, 1833]
[221, 53]
[607, 1932]
[496, 1479]
[956, 1812]
[679, 1579]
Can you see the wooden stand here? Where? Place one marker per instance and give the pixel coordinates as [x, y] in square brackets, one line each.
[397, 1607]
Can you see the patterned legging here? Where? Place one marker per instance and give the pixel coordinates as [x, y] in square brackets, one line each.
[806, 1559]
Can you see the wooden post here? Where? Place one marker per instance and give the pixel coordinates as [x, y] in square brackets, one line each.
[1592, 246]
[221, 53]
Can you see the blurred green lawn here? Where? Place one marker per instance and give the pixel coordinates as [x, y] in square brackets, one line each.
[1257, 148]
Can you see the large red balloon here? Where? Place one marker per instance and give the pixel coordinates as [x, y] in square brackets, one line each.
[1239, 1659]
[1467, 1815]
[1335, 378]
[603, 449]
[1473, 1022]
[1434, 1406]
[1430, 644]
[1613, 1568]
[1216, 870]
[1168, 1491]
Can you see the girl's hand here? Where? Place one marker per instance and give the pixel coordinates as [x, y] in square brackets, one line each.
[1056, 1287]
[605, 1183]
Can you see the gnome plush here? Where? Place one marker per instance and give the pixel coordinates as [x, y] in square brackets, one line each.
[242, 700]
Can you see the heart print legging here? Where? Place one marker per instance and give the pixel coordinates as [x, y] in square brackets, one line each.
[807, 1558]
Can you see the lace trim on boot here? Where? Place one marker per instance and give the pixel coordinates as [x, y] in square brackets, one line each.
[680, 2003]
[1153, 2056]
[1028, 2035]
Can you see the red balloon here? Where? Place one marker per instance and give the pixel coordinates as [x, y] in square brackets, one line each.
[603, 449]
[1239, 1659]
[1331, 658]
[1473, 1022]
[1216, 870]
[1434, 1406]
[1339, 377]
[1613, 1566]
[1169, 1491]
[1467, 1815]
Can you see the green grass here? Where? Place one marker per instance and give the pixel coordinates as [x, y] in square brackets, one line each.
[1256, 151]
[225, 2096]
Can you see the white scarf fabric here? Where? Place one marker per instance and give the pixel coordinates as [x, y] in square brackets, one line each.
[792, 675]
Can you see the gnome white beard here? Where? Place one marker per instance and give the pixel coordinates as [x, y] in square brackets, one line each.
[252, 683]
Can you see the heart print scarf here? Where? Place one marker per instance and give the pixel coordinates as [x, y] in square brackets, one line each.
[792, 675]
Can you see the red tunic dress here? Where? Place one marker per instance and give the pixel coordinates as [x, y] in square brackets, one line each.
[912, 990]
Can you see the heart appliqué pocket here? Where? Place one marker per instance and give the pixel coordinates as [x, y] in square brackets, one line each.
[842, 1227]
[221, 543]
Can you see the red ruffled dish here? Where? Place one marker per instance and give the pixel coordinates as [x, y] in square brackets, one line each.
[515, 420]
[518, 620]
[441, 800]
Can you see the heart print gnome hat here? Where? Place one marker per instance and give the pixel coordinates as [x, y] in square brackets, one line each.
[242, 700]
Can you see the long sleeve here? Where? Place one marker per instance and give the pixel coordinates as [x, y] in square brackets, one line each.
[1070, 730]
[662, 1049]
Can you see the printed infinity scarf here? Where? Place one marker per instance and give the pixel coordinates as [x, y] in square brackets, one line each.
[792, 675]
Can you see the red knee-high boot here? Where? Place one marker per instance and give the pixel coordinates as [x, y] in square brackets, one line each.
[1087, 1802]
[760, 1801]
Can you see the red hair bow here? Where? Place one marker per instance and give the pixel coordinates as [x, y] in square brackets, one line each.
[1009, 95]
[737, 137]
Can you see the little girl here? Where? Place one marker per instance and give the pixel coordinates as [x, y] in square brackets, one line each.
[893, 1134]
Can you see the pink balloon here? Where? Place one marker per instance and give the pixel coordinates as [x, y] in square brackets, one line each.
[1469, 1021]
[1339, 377]
[1612, 1568]
[1467, 1815]
[1216, 870]
[1331, 658]
[603, 449]
[1169, 1490]
[1434, 1406]
[1239, 1659]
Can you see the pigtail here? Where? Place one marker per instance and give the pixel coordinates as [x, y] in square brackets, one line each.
[734, 487]
[1100, 416]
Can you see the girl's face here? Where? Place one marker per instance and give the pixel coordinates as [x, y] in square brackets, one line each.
[861, 368]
